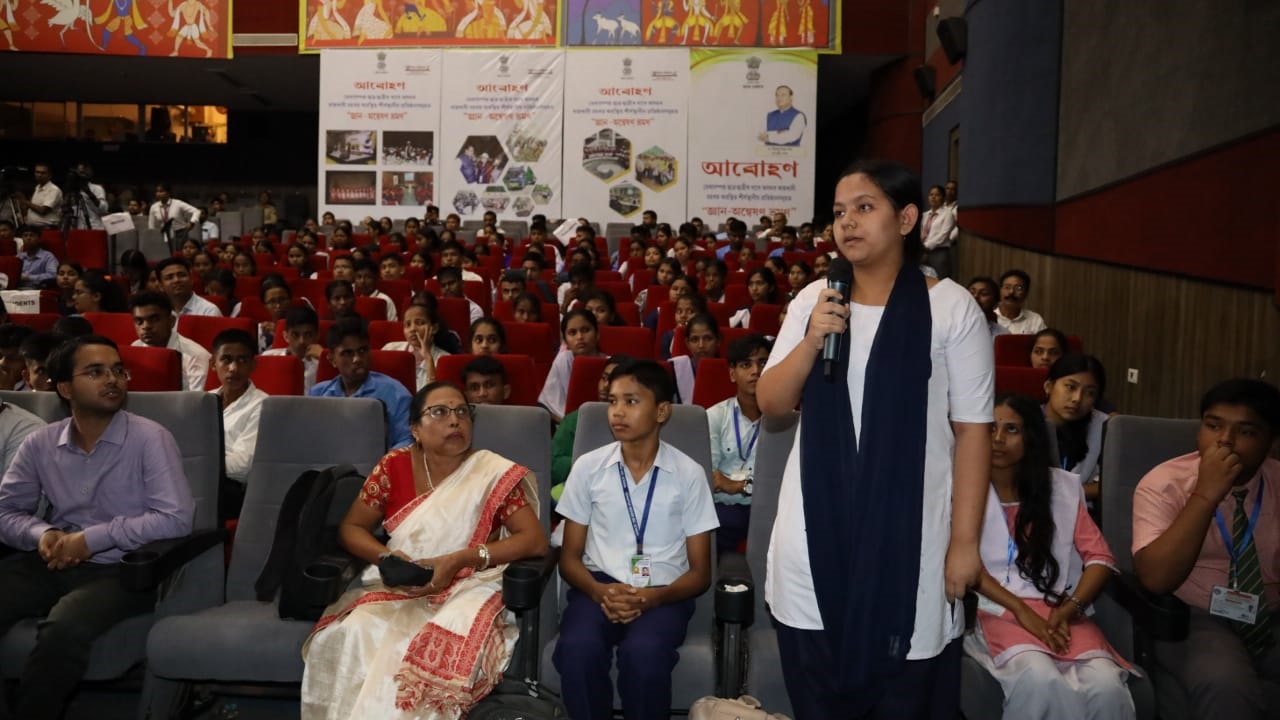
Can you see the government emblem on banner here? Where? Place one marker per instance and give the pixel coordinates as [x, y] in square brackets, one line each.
[753, 70]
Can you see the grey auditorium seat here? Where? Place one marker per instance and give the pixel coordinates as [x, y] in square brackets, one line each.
[695, 674]
[241, 639]
[45, 405]
[195, 419]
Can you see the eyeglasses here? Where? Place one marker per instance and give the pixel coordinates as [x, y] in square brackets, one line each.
[1013, 288]
[440, 412]
[98, 373]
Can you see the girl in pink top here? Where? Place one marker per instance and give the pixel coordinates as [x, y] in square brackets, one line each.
[1044, 562]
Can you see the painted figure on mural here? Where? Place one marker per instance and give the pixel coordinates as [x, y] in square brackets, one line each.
[731, 19]
[68, 13]
[663, 22]
[806, 22]
[778, 24]
[7, 23]
[190, 22]
[372, 22]
[328, 23]
[696, 16]
[532, 23]
[122, 16]
[485, 22]
[420, 20]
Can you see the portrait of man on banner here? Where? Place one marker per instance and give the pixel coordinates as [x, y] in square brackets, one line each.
[784, 126]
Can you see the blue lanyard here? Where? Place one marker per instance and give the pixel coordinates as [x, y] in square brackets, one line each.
[638, 527]
[737, 435]
[1232, 550]
[1013, 554]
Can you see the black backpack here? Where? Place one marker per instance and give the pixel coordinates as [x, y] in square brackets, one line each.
[306, 564]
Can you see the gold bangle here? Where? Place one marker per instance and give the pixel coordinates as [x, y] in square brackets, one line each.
[483, 551]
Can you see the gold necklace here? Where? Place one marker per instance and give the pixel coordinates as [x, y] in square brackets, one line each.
[431, 487]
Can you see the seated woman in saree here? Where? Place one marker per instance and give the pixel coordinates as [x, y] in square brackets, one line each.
[436, 650]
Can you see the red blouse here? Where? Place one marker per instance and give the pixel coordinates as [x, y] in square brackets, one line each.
[390, 487]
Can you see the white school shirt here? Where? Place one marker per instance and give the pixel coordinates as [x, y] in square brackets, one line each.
[436, 353]
[195, 360]
[940, 223]
[240, 431]
[960, 389]
[199, 306]
[1027, 322]
[182, 214]
[726, 454]
[309, 367]
[555, 391]
[391, 306]
[681, 508]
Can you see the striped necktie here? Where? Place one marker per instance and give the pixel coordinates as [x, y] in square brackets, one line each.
[1258, 636]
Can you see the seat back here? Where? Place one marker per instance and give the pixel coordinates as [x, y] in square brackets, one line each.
[1027, 381]
[634, 341]
[45, 405]
[765, 320]
[296, 434]
[711, 384]
[1015, 350]
[195, 419]
[520, 375]
[777, 434]
[117, 326]
[278, 375]
[202, 329]
[396, 364]
[584, 383]
[521, 434]
[382, 332]
[153, 369]
[40, 322]
[686, 431]
[456, 314]
[88, 248]
[537, 340]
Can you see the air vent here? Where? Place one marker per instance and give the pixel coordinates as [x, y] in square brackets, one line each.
[264, 39]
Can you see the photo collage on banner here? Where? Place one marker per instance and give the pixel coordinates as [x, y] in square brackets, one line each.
[501, 126]
[763, 161]
[700, 23]
[173, 28]
[425, 23]
[379, 132]
[625, 130]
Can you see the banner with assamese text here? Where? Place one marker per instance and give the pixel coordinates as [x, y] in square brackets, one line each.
[379, 132]
[752, 134]
[626, 133]
[501, 124]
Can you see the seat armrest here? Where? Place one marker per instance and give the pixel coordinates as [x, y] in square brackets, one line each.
[524, 581]
[735, 600]
[1163, 617]
[145, 568]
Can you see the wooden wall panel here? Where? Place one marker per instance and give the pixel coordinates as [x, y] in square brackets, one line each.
[1182, 335]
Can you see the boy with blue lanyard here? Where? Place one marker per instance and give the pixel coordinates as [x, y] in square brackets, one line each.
[735, 427]
[636, 552]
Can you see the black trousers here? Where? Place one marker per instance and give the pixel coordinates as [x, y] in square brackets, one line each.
[924, 690]
[76, 606]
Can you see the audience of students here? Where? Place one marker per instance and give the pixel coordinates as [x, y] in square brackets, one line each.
[484, 381]
[157, 326]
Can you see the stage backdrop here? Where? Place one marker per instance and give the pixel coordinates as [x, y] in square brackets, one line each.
[419, 23]
[501, 123]
[752, 131]
[701, 23]
[184, 28]
[626, 132]
[379, 132]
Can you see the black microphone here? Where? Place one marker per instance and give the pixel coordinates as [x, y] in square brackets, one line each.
[840, 279]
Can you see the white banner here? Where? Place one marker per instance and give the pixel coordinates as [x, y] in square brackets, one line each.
[501, 127]
[752, 134]
[379, 132]
[626, 134]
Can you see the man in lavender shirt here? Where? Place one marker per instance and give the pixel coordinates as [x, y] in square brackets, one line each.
[113, 481]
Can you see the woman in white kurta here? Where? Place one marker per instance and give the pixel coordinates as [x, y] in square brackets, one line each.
[877, 208]
[426, 652]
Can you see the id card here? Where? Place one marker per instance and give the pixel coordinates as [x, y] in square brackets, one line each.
[641, 571]
[1233, 605]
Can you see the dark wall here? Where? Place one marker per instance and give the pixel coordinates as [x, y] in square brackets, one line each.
[937, 141]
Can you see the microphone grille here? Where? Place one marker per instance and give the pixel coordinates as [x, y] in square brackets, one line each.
[840, 271]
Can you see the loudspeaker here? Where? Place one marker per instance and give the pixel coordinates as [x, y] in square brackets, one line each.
[926, 81]
[953, 33]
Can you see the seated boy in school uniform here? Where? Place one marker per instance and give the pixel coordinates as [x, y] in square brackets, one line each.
[636, 553]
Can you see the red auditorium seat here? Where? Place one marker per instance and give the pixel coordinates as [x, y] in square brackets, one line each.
[251, 307]
[456, 314]
[736, 296]
[203, 329]
[1015, 350]
[521, 375]
[382, 332]
[634, 341]
[584, 382]
[117, 326]
[8, 246]
[89, 248]
[40, 322]
[764, 319]
[400, 291]
[371, 309]
[711, 384]
[311, 290]
[629, 313]
[153, 369]
[680, 346]
[11, 266]
[537, 340]
[274, 375]
[620, 291]
[1024, 380]
[219, 301]
[53, 242]
[504, 310]
[248, 286]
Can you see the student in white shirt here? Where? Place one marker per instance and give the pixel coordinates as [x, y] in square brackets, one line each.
[156, 324]
[366, 283]
[986, 292]
[422, 327]
[234, 361]
[1011, 313]
[581, 335]
[175, 278]
[301, 330]
[171, 215]
[636, 553]
[936, 229]
[914, 482]
[735, 427]
[450, 279]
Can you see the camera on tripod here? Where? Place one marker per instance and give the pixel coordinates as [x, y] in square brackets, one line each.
[76, 181]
